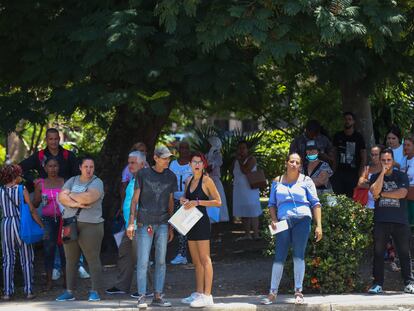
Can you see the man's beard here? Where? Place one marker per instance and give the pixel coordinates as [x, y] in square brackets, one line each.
[348, 126]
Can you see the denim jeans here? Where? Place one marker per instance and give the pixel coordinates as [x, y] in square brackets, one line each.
[296, 235]
[58, 264]
[144, 242]
[50, 247]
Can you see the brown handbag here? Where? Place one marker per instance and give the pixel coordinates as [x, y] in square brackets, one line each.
[257, 179]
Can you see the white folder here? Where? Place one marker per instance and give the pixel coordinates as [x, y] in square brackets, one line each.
[184, 219]
[280, 226]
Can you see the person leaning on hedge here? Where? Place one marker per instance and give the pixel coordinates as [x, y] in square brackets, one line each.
[389, 189]
[294, 197]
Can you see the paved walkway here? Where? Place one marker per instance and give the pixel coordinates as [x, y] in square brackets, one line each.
[360, 302]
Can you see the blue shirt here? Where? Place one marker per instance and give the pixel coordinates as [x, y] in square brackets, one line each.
[293, 200]
[129, 193]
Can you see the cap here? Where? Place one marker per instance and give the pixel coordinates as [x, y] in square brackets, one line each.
[162, 152]
[311, 145]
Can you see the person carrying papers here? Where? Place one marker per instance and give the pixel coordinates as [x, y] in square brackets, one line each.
[293, 196]
[200, 191]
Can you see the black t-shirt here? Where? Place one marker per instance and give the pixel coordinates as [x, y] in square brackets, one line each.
[348, 149]
[68, 165]
[391, 210]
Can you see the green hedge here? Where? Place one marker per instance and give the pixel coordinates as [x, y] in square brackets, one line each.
[332, 265]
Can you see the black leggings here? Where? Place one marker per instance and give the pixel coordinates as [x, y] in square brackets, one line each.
[401, 235]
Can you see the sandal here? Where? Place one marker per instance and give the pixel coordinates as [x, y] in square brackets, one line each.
[271, 298]
[299, 300]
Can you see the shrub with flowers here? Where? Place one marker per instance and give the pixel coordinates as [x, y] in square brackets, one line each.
[332, 265]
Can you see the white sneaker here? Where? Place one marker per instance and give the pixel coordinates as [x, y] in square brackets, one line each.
[190, 298]
[179, 260]
[55, 274]
[202, 301]
[82, 273]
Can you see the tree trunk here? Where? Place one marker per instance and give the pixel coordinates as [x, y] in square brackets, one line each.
[127, 128]
[356, 101]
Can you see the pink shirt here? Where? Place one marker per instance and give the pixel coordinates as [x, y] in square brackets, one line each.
[51, 209]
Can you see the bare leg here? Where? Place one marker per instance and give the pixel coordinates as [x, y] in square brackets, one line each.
[255, 227]
[204, 253]
[246, 224]
[199, 268]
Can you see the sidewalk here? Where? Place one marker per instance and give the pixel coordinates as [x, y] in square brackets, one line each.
[360, 302]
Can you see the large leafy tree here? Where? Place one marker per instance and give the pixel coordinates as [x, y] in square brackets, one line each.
[127, 56]
[354, 45]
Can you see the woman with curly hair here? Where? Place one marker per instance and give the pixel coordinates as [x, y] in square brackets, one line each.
[10, 177]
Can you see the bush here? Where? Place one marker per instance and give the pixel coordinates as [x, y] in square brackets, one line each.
[332, 265]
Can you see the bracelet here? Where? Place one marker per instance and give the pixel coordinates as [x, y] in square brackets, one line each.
[198, 202]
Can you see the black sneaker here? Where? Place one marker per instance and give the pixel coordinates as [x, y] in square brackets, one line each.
[147, 295]
[160, 302]
[141, 302]
[114, 290]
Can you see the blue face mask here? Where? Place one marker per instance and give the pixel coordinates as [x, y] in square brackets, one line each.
[312, 157]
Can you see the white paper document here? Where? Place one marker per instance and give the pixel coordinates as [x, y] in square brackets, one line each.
[118, 237]
[184, 219]
[280, 226]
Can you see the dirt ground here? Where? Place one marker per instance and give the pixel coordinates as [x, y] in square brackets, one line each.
[240, 268]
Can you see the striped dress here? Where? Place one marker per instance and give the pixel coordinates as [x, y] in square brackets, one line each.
[10, 240]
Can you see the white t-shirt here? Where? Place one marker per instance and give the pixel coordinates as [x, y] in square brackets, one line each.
[409, 169]
[182, 172]
[399, 156]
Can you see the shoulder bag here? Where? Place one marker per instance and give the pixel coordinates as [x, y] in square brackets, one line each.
[30, 232]
[70, 225]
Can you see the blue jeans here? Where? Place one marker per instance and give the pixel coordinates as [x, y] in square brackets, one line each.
[58, 264]
[50, 247]
[144, 243]
[296, 235]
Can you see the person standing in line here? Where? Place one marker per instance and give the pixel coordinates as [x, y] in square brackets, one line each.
[127, 250]
[351, 157]
[389, 188]
[200, 192]
[154, 192]
[68, 167]
[126, 174]
[374, 167]
[323, 144]
[182, 170]
[408, 167]
[68, 163]
[46, 193]
[246, 201]
[394, 141]
[319, 171]
[10, 177]
[215, 161]
[293, 198]
[82, 197]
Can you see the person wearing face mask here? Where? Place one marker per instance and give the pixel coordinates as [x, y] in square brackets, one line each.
[318, 170]
[293, 198]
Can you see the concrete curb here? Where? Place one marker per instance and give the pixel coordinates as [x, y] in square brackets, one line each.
[356, 302]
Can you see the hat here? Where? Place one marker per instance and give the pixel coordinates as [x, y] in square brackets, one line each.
[311, 145]
[162, 152]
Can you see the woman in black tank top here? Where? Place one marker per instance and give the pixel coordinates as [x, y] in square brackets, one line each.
[200, 192]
